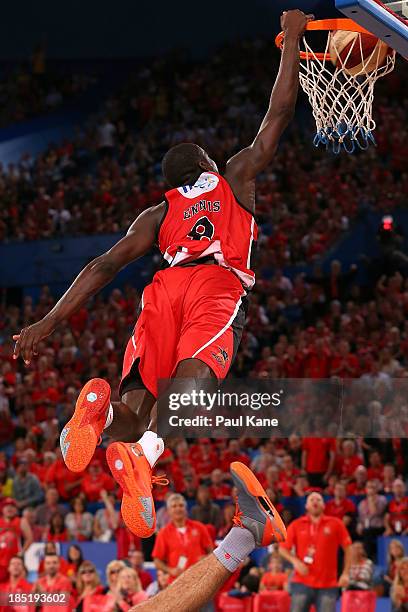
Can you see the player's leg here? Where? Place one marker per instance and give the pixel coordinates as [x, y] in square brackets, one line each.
[131, 416]
[131, 463]
[258, 524]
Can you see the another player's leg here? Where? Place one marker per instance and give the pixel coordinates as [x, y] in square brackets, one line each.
[257, 524]
[131, 464]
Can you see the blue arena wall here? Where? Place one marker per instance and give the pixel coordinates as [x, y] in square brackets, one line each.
[55, 262]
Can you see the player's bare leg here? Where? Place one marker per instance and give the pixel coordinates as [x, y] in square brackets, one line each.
[131, 416]
[257, 524]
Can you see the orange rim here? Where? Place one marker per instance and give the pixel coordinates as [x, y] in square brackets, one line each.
[325, 24]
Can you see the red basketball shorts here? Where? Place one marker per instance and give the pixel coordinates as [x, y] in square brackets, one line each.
[187, 312]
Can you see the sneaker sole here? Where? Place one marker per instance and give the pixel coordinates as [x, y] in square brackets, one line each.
[79, 450]
[243, 477]
[134, 503]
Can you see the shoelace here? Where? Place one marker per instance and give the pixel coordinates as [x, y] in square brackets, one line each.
[238, 513]
[160, 480]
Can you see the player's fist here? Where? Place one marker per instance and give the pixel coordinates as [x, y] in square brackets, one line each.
[294, 22]
[28, 339]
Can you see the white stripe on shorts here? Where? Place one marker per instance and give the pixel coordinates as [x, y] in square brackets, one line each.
[214, 338]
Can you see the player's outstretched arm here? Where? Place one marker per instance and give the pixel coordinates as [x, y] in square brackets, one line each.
[140, 238]
[249, 162]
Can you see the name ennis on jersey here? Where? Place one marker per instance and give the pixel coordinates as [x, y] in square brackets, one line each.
[217, 225]
[200, 206]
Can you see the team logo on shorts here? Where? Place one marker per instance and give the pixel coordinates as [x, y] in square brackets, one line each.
[221, 357]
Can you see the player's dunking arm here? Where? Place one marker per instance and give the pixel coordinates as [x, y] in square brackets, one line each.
[242, 169]
[139, 239]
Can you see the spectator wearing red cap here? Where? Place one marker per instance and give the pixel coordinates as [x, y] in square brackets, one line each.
[17, 583]
[312, 546]
[396, 517]
[12, 531]
[96, 480]
[182, 542]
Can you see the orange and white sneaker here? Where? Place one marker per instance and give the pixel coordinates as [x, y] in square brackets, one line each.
[133, 473]
[254, 509]
[82, 433]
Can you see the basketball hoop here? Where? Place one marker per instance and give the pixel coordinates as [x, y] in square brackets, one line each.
[341, 102]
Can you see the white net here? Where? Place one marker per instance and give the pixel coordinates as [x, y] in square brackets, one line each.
[342, 102]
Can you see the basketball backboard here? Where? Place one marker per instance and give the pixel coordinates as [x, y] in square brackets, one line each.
[387, 19]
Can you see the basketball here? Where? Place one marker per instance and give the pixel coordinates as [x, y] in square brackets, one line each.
[358, 53]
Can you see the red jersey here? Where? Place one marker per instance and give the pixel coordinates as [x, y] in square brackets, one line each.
[205, 219]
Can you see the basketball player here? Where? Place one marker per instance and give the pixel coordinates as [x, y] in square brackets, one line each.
[192, 313]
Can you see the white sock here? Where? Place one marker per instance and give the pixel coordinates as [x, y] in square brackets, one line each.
[152, 446]
[109, 416]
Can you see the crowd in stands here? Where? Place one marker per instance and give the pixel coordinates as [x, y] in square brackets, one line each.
[33, 88]
[102, 179]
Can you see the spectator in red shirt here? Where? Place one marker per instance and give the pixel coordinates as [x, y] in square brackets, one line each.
[345, 364]
[396, 517]
[358, 484]
[17, 583]
[287, 476]
[66, 482]
[182, 542]
[56, 531]
[347, 461]
[315, 539]
[54, 581]
[136, 560]
[232, 453]
[218, 488]
[12, 530]
[375, 470]
[274, 579]
[96, 480]
[318, 454]
[340, 506]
